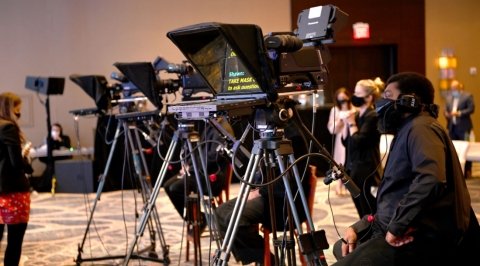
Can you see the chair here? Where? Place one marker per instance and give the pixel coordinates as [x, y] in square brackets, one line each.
[461, 146]
[385, 141]
[226, 188]
[192, 208]
[310, 202]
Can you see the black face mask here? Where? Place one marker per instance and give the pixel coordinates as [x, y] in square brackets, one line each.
[17, 115]
[342, 101]
[357, 101]
[389, 116]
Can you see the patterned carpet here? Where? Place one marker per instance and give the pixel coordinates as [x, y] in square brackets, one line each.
[58, 224]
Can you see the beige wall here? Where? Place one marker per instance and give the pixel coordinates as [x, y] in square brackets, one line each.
[454, 24]
[60, 38]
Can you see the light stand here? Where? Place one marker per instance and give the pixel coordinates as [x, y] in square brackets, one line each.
[50, 162]
[47, 86]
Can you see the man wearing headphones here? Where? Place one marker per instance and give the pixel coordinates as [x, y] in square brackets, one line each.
[424, 214]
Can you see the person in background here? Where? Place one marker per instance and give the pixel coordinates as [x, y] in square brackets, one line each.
[361, 139]
[59, 142]
[14, 185]
[459, 106]
[216, 166]
[342, 103]
[424, 214]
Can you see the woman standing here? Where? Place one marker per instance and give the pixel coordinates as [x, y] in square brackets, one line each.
[362, 140]
[14, 185]
[342, 103]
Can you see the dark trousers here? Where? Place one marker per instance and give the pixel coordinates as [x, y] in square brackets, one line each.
[176, 187]
[16, 232]
[377, 252]
[456, 134]
[248, 244]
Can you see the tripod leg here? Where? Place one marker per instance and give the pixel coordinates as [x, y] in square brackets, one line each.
[145, 182]
[222, 256]
[99, 191]
[153, 197]
[148, 185]
[271, 201]
[210, 214]
[288, 190]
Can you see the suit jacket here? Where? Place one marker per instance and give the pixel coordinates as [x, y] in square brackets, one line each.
[12, 163]
[466, 106]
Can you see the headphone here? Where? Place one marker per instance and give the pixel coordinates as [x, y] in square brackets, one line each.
[407, 103]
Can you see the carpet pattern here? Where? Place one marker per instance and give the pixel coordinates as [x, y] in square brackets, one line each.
[58, 225]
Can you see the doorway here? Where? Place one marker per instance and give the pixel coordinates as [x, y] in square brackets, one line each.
[353, 63]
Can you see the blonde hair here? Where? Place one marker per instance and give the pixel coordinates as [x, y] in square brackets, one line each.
[372, 87]
[8, 101]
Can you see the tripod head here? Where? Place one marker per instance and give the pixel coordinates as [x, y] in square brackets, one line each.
[271, 120]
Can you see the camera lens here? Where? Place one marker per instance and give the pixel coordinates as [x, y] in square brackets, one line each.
[284, 43]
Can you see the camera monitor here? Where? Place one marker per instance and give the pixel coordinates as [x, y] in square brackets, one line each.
[232, 58]
[320, 23]
[96, 87]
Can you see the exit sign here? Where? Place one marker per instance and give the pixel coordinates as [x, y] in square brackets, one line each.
[361, 31]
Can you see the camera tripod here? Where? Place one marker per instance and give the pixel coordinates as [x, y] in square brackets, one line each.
[190, 137]
[272, 144]
[139, 161]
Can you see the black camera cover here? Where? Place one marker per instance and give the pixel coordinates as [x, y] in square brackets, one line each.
[205, 46]
[96, 87]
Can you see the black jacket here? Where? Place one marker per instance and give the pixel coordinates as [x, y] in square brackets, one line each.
[12, 163]
[363, 150]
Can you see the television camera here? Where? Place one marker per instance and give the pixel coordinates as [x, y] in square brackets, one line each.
[240, 66]
[107, 95]
[146, 78]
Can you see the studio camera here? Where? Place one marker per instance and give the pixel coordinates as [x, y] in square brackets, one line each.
[107, 95]
[146, 78]
[279, 62]
[98, 88]
[188, 79]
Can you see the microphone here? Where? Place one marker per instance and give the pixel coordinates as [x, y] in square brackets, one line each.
[149, 139]
[335, 174]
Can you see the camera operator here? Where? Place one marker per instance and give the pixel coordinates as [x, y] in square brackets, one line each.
[424, 214]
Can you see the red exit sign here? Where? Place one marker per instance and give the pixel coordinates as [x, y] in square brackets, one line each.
[361, 31]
